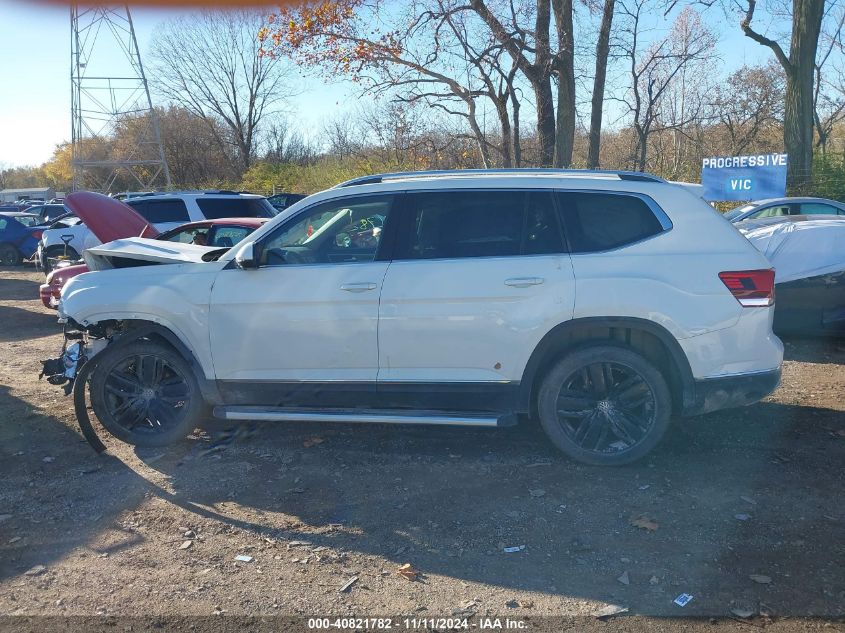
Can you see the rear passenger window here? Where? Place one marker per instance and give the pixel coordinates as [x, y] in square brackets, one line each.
[161, 211]
[458, 224]
[599, 222]
[235, 207]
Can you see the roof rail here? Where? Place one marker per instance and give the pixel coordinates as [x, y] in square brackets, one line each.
[402, 175]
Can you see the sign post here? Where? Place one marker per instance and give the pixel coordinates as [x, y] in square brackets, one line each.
[742, 178]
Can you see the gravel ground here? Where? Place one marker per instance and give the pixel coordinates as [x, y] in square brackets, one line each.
[742, 509]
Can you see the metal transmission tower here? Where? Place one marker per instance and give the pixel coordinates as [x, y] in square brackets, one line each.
[110, 92]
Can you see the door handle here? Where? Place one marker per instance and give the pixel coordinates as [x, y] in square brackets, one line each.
[524, 282]
[359, 287]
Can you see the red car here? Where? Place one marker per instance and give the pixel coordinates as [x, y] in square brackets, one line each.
[110, 220]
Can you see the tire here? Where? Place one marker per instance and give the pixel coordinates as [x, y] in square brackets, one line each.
[616, 409]
[54, 252]
[9, 255]
[145, 394]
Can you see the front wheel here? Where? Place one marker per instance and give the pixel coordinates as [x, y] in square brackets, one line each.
[604, 405]
[9, 255]
[145, 394]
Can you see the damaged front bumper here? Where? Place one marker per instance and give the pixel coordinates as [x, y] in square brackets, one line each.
[77, 349]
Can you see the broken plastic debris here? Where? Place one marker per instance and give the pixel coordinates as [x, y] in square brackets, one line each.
[683, 600]
[609, 610]
[742, 609]
[512, 550]
[243, 558]
[348, 585]
[186, 544]
[760, 578]
[742, 517]
[624, 579]
[35, 571]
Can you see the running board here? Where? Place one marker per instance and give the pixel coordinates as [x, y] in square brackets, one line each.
[364, 416]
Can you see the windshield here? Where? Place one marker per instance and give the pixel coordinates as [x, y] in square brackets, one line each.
[27, 220]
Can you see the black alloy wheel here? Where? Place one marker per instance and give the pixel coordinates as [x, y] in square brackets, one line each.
[145, 394]
[604, 405]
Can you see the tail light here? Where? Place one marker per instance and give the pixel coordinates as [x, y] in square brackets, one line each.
[37, 234]
[752, 288]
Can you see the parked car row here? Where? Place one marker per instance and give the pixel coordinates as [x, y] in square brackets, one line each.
[70, 237]
[594, 301]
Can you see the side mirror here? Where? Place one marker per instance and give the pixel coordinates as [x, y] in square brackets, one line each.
[245, 259]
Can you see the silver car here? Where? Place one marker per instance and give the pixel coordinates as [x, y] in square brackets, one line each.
[777, 207]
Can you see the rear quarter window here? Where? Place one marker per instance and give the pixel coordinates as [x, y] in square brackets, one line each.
[161, 211]
[215, 208]
[600, 221]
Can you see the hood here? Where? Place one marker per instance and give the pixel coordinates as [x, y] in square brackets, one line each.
[107, 218]
[148, 251]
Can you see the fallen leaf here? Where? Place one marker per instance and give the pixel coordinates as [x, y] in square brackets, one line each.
[624, 579]
[644, 523]
[763, 580]
[742, 517]
[537, 493]
[748, 499]
[313, 441]
[408, 572]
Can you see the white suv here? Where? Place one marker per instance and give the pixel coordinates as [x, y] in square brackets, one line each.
[163, 210]
[602, 303]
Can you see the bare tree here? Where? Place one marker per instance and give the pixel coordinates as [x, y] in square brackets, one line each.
[747, 105]
[829, 95]
[656, 67]
[799, 66]
[210, 63]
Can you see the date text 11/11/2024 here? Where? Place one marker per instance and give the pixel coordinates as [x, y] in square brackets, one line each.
[454, 623]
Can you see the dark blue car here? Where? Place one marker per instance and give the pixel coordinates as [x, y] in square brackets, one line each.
[19, 235]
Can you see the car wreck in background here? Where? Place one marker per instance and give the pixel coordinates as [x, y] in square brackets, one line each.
[809, 261]
[109, 220]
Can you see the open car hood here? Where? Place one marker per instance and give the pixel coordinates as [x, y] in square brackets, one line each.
[139, 250]
[107, 218]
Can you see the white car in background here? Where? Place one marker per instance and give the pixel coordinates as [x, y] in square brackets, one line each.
[163, 211]
[601, 303]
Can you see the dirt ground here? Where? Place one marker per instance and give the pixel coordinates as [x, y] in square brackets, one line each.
[744, 510]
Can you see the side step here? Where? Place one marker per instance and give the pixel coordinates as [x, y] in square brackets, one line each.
[364, 416]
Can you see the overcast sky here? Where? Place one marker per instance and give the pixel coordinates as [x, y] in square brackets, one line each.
[35, 76]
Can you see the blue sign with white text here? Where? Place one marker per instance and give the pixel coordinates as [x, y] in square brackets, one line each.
[744, 177]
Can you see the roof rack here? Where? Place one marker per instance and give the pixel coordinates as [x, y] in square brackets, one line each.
[405, 175]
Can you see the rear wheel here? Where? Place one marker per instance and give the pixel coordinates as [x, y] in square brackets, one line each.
[145, 394]
[604, 405]
[9, 255]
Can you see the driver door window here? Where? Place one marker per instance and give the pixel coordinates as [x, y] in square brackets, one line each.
[772, 212]
[337, 232]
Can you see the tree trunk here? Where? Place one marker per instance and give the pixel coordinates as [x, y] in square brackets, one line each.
[505, 125]
[517, 141]
[565, 65]
[597, 106]
[798, 112]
